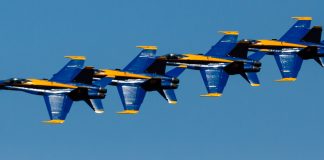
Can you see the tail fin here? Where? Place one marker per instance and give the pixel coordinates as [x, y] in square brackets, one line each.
[85, 76]
[157, 67]
[240, 50]
[257, 56]
[143, 60]
[175, 72]
[314, 35]
[298, 30]
[169, 95]
[70, 70]
[224, 45]
[95, 104]
[252, 78]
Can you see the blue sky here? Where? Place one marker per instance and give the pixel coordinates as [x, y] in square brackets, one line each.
[270, 122]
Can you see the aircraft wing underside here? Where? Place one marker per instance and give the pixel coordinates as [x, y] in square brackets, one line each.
[58, 106]
[215, 80]
[289, 65]
[132, 96]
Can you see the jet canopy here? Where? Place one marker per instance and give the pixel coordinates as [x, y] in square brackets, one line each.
[16, 81]
[174, 56]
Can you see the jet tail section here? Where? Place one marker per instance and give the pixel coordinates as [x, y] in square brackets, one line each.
[240, 50]
[85, 76]
[252, 78]
[224, 45]
[308, 52]
[298, 30]
[143, 60]
[314, 35]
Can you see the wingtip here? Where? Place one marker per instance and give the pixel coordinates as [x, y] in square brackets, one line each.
[99, 111]
[286, 80]
[306, 18]
[211, 95]
[54, 121]
[255, 84]
[76, 57]
[128, 112]
[229, 32]
[172, 102]
[147, 47]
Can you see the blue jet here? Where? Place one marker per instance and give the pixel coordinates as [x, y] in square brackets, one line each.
[299, 43]
[141, 75]
[71, 83]
[227, 57]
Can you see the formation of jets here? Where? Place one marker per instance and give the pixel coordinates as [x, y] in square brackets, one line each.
[147, 71]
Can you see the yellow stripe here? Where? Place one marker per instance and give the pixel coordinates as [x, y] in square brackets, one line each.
[115, 73]
[128, 112]
[172, 102]
[195, 57]
[211, 95]
[182, 66]
[76, 57]
[255, 85]
[38, 82]
[148, 47]
[275, 43]
[229, 32]
[303, 18]
[286, 80]
[54, 121]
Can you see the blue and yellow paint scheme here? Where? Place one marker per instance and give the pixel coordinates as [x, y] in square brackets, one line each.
[300, 42]
[71, 83]
[226, 57]
[141, 75]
